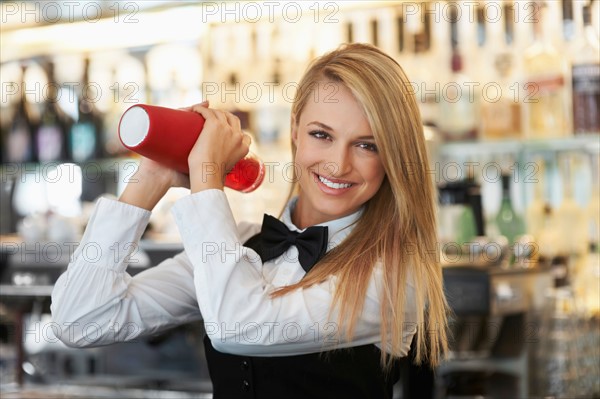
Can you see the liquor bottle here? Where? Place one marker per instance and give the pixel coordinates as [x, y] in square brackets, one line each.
[545, 97]
[111, 144]
[585, 74]
[536, 211]
[268, 123]
[85, 133]
[426, 90]
[508, 12]
[458, 108]
[568, 22]
[19, 142]
[508, 222]
[501, 116]
[459, 105]
[51, 134]
[593, 210]
[570, 216]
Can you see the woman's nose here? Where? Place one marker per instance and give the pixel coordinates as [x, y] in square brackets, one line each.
[340, 163]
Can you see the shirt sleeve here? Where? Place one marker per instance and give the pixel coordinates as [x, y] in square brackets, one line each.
[96, 302]
[240, 316]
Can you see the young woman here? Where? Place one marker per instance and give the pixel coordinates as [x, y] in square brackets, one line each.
[318, 304]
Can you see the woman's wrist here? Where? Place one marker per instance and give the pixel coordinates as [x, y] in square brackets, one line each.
[206, 175]
[204, 181]
[144, 190]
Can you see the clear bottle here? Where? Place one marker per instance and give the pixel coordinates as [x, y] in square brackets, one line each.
[570, 216]
[536, 212]
[111, 144]
[458, 108]
[545, 94]
[85, 133]
[425, 88]
[570, 227]
[501, 115]
[585, 74]
[19, 145]
[509, 223]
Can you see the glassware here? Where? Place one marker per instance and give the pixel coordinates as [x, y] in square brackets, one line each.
[545, 83]
[458, 108]
[586, 79]
[51, 134]
[85, 135]
[20, 142]
[501, 118]
[509, 223]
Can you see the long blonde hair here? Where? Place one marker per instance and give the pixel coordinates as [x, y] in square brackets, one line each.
[398, 225]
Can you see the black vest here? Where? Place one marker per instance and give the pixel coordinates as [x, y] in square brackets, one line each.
[344, 373]
[352, 373]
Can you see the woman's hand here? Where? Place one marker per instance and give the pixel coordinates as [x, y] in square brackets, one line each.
[220, 146]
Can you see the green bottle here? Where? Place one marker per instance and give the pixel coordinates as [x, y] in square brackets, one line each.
[509, 223]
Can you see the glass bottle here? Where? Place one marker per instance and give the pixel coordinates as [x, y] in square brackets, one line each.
[509, 223]
[85, 134]
[501, 115]
[458, 108]
[111, 144]
[536, 211]
[570, 216]
[19, 145]
[51, 134]
[585, 74]
[545, 96]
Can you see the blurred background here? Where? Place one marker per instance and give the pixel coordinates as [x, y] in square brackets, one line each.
[509, 94]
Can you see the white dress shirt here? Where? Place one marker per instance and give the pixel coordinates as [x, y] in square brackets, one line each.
[215, 278]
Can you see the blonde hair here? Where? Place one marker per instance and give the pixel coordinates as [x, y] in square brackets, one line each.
[398, 225]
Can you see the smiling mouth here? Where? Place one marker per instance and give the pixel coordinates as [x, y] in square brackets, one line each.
[334, 185]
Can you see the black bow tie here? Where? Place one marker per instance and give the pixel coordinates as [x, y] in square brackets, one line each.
[275, 238]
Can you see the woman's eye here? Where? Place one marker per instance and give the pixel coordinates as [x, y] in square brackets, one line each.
[319, 134]
[368, 146]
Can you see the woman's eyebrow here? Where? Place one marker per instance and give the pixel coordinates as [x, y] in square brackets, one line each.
[321, 125]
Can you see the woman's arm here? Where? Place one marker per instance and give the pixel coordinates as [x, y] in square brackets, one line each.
[96, 301]
[240, 315]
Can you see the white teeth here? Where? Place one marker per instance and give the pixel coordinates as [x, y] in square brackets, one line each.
[331, 184]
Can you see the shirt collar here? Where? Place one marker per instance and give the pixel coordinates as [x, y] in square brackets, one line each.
[337, 229]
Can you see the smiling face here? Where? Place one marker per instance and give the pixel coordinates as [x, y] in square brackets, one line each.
[338, 164]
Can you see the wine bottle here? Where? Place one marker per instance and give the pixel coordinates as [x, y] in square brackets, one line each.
[51, 142]
[85, 133]
[509, 223]
[20, 143]
[585, 74]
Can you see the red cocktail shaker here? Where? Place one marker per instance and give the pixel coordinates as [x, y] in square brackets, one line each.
[167, 136]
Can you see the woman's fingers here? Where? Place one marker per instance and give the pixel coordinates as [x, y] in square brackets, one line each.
[191, 107]
[247, 140]
[233, 121]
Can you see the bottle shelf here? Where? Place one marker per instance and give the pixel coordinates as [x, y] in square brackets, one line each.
[585, 143]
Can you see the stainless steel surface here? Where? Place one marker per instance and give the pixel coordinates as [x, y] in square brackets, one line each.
[87, 392]
[495, 291]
